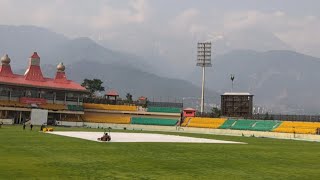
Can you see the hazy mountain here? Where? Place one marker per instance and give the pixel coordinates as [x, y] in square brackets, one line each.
[282, 80]
[127, 79]
[285, 81]
[86, 59]
[21, 41]
[251, 39]
[178, 53]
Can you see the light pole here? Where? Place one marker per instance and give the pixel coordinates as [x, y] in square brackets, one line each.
[203, 60]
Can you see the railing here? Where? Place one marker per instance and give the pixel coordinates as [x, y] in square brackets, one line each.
[282, 117]
[112, 102]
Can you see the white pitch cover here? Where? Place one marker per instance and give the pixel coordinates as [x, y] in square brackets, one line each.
[39, 116]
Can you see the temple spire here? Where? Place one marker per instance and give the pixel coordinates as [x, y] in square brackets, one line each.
[5, 69]
[61, 75]
[34, 73]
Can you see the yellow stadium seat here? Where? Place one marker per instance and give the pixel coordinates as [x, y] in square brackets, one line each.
[298, 127]
[110, 107]
[106, 118]
[206, 122]
[12, 104]
[186, 121]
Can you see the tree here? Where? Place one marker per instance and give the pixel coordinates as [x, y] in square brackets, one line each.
[216, 112]
[129, 98]
[94, 85]
[145, 105]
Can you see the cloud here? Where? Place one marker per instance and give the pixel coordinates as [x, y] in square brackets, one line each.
[136, 25]
[301, 32]
[73, 17]
[255, 19]
[188, 24]
[109, 17]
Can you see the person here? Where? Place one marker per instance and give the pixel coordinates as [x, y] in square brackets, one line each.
[31, 126]
[181, 118]
[105, 137]
[41, 127]
[24, 126]
[1, 123]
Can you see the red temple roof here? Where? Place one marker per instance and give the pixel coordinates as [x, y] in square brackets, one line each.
[34, 78]
[34, 73]
[112, 92]
[142, 98]
[47, 83]
[189, 109]
[35, 55]
[6, 71]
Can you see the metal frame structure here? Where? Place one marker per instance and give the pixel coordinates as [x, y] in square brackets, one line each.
[203, 60]
[237, 104]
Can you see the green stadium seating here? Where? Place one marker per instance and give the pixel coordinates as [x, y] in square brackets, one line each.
[265, 125]
[250, 124]
[153, 121]
[164, 109]
[227, 124]
[243, 124]
[75, 108]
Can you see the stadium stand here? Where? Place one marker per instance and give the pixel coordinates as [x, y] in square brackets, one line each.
[186, 121]
[206, 122]
[73, 118]
[12, 104]
[106, 118]
[110, 107]
[298, 127]
[153, 121]
[165, 104]
[164, 109]
[75, 108]
[243, 124]
[265, 125]
[227, 124]
[55, 107]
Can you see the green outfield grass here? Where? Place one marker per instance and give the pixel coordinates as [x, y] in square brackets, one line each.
[35, 155]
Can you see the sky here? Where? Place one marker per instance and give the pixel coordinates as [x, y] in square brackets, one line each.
[167, 30]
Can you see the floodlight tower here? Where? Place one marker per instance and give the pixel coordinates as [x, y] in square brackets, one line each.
[203, 60]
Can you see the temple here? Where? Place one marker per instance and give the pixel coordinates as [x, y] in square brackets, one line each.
[19, 94]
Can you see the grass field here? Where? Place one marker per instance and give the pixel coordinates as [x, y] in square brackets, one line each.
[34, 155]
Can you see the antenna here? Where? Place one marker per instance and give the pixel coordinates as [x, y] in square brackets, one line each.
[232, 79]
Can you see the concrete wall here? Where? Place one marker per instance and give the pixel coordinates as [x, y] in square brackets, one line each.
[66, 123]
[307, 137]
[7, 121]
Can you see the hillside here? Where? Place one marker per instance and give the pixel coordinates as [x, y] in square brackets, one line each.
[127, 79]
[85, 58]
[20, 41]
[285, 81]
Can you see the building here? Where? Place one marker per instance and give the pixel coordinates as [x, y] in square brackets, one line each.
[19, 94]
[237, 104]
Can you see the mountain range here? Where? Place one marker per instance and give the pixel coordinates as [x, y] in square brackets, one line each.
[84, 58]
[282, 80]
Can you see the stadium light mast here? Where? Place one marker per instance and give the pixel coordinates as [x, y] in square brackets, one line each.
[203, 60]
